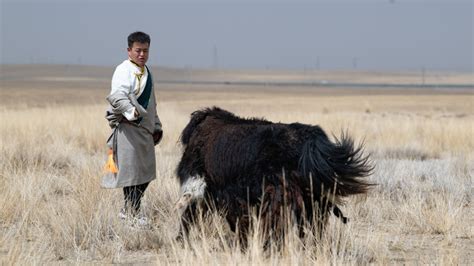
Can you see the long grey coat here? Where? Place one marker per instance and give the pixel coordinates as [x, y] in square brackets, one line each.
[133, 145]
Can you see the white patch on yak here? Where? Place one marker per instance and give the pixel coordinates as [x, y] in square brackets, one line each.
[192, 189]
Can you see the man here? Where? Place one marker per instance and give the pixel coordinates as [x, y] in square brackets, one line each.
[135, 125]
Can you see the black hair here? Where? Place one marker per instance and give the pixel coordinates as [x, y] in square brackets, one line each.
[138, 36]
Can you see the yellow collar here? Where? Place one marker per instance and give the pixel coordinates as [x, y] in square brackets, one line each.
[142, 69]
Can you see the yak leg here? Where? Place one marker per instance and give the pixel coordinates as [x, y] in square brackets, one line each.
[240, 225]
[238, 218]
[188, 219]
[244, 228]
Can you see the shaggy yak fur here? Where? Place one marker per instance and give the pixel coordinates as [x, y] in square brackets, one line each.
[281, 171]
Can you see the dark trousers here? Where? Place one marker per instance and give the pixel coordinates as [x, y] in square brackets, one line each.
[133, 197]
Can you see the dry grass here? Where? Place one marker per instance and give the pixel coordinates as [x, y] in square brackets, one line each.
[53, 209]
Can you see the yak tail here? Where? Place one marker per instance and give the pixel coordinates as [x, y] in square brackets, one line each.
[338, 168]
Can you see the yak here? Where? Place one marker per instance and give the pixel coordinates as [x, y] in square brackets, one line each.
[235, 165]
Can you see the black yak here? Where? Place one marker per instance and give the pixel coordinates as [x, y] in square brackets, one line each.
[232, 165]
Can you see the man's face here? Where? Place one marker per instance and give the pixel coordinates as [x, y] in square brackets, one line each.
[139, 53]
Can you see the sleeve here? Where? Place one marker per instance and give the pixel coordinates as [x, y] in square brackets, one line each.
[121, 85]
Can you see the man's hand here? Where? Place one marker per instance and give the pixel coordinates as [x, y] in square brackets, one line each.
[157, 136]
[139, 110]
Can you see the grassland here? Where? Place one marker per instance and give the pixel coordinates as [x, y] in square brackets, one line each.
[53, 136]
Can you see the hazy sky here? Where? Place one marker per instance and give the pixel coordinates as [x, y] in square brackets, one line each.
[337, 34]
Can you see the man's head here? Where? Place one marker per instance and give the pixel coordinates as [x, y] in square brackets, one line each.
[138, 47]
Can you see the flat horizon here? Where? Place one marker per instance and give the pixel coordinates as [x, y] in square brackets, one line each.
[254, 68]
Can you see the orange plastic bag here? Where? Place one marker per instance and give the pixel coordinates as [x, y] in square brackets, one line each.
[110, 164]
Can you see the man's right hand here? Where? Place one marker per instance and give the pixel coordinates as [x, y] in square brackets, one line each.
[139, 110]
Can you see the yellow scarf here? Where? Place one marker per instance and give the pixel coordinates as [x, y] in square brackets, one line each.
[138, 75]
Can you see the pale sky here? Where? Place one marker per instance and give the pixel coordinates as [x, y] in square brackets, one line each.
[338, 34]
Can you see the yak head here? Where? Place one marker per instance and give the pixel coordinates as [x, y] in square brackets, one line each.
[193, 189]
